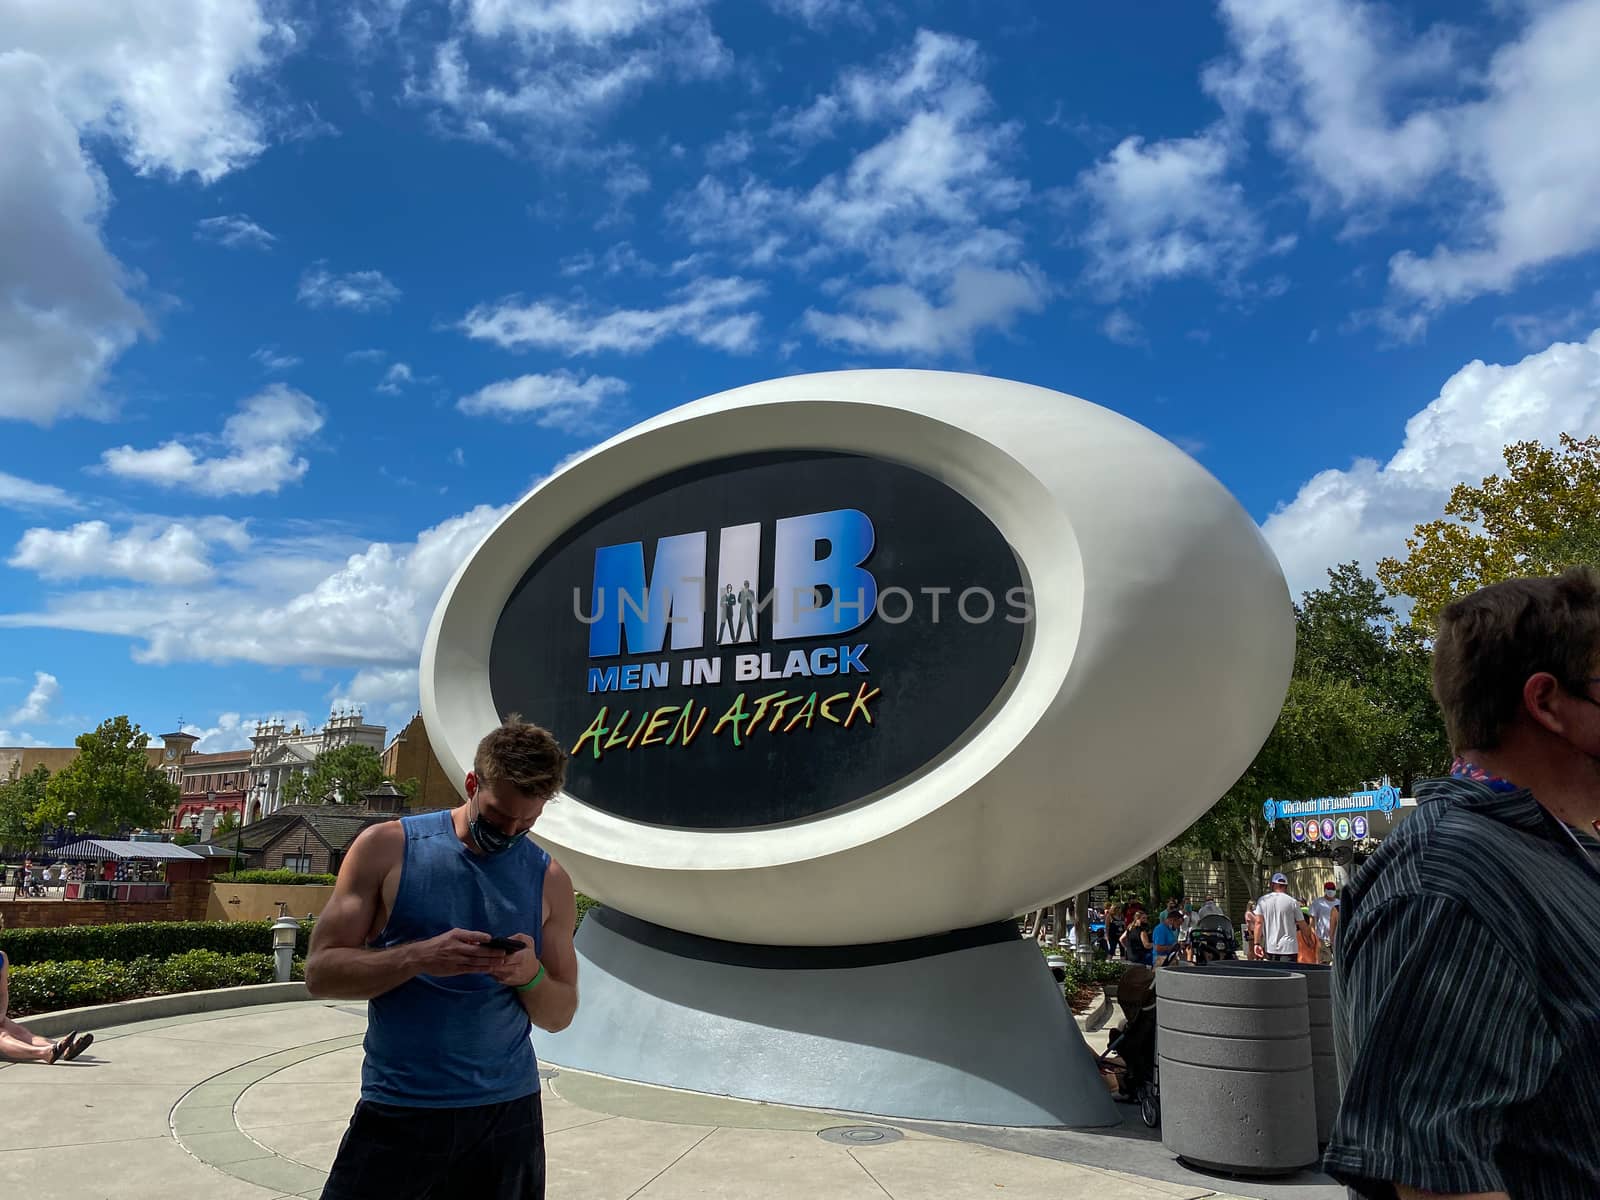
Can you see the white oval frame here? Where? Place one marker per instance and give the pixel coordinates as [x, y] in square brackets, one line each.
[1104, 517]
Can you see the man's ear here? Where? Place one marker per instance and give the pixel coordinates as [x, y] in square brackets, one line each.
[1539, 699]
[472, 784]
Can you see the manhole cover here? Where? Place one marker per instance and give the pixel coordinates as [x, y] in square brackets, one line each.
[860, 1135]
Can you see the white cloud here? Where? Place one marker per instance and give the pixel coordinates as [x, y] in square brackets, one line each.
[273, 359]
[387, 695]
[508, 66]
[1368, 510]
[1165, 210]
[594, 21]
[163, 81]
[703, 311]
[35, 709]
[65, 314]
[370, 610]
[730, 149]
[927, 207]
[396, 378]
[236, 232]
[823, 14]
[16, 492]
[898, 319]
[1122, 329]
[1375, 117]
[19, 738]
[262, 440]
[293, 602]
[561, 400]
[916, 203]
[1533, 331]
[157, 85]
[458, 457]
[362, 291]
[176, 554]
[373, 356]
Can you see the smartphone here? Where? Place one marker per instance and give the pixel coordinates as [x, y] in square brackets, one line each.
[506, 944]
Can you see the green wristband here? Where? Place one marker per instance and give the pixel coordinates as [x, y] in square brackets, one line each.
[534, 982]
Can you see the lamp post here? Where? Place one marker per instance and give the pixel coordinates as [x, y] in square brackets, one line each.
[284, 932]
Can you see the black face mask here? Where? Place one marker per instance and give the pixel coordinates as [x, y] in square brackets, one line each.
[489, 839]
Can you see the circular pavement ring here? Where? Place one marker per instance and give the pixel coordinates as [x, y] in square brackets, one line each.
[860, 1135]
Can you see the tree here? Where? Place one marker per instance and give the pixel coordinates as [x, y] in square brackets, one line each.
[338, 776]
[226, 823]
[1360, 706]
[1319, 746]
[1348, 630]
[112, 785]
[1541, 517]
[20, 800]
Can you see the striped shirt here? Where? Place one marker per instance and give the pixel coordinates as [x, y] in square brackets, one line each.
[1466, 996]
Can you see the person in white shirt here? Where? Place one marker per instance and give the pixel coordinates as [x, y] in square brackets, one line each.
[1322, 918]
[1280, 921]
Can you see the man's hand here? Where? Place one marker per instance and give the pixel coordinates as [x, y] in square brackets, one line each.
[1260, 951]
[457, 952]
[514, 970]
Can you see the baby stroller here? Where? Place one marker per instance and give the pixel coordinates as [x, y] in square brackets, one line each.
[1212, 940]
[1131, 1053]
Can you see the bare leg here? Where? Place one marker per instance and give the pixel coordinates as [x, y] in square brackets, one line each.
[20, 1051]
[17, 1033]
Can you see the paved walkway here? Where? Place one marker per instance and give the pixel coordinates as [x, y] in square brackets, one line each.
[250, 1104]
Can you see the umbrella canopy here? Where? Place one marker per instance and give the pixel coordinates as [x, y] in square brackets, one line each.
[100, 849]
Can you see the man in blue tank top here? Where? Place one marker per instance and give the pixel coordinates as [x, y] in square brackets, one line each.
[450, 1087]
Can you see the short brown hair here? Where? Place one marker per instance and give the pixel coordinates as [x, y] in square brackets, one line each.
[523, 755]
[1490, 642]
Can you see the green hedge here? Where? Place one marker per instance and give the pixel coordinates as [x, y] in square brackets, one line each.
[280, 877]
[51, 986]
[154, 939]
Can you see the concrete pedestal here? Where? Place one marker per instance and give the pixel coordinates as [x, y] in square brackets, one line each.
[966, 1027]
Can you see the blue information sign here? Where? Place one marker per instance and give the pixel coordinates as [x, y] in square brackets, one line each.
[1384, 799]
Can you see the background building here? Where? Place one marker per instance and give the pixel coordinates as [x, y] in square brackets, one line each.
[19, 760]
[278, 754]
[410, 756]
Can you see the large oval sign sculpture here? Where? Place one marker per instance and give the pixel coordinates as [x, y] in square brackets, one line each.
[869, 655]
[764, 638]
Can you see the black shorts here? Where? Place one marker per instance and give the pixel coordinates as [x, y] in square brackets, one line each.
[491, 1152]
[1284, 958]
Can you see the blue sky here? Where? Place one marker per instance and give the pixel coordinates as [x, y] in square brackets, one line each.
[295, 301]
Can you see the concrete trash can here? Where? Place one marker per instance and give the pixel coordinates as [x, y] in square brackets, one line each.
[1233, 1045]
[1324, 1066]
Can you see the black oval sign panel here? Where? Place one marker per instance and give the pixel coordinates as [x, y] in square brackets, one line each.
[762, 638]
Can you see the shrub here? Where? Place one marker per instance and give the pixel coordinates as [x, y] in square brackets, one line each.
[278, 876]
[584, 905]
[1082, 975]
[50, 986]
[155, 939]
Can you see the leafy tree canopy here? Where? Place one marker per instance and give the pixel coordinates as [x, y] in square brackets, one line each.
[112, 786]
[20, 800]
[1540, 517]
[338, 776]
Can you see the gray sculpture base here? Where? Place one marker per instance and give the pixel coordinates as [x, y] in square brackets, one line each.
[966, 1027]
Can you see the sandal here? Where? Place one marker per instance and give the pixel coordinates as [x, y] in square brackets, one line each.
[79, 1045]
[58, 1050]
